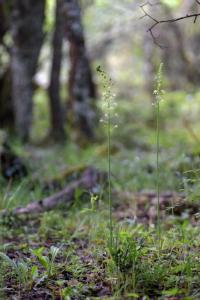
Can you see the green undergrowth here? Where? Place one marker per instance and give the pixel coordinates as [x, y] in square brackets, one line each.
[65, 253]
[83, 267]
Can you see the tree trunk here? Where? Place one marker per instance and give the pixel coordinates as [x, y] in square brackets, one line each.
[3, 25]
[57, 114]
[81, 85]
[27, 31]
[6, 111]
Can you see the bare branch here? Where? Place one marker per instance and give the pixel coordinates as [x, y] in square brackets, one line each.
[146, 14]
[157, 22]
[151, 4]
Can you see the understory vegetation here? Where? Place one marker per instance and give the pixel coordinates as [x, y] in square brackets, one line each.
[66, 253]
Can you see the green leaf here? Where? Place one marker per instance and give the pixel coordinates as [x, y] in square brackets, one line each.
[23, 267]
[34, 272]
[9, 261]
[44, 260]
[54, 252]
[38, 252]
[171, 292]
[133, 295]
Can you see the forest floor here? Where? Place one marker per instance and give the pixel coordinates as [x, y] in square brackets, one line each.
[65, 253]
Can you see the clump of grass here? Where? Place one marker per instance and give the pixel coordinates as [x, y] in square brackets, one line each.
[48, 262]
[24, 273]
[126, 255]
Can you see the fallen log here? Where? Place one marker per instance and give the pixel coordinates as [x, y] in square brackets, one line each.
[89, 181]
[67, 175]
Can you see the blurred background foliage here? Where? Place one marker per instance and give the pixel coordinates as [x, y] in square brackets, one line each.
[117, 38]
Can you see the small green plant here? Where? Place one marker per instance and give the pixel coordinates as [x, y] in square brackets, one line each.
[126, 255]
[124, 251]
[109, 106]
[93, 203]
[71, 292]
[67, 293]
[25, 274]
[11, 195]
[158, 92]
[48, 262]
[52, 223]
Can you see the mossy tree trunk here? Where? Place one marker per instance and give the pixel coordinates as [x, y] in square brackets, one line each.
[81, 85]
[57, 114]
[6, 107]
[6, 111]
[3, 23]
[27, 32]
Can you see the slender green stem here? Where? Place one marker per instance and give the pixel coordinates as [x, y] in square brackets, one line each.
[109, 175]
[108, 98]
[158, 167]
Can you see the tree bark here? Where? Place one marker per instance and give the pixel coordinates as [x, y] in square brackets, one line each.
[27, 31]
[6, 111]
[81, 85]
[3, 23]
[56, 110]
